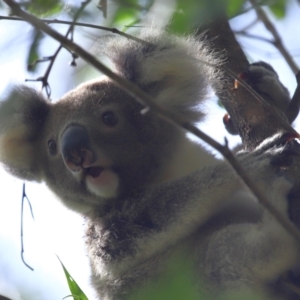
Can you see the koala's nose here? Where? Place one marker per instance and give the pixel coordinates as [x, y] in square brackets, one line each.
[75, 148]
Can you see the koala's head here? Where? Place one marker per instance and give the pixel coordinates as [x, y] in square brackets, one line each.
[94, 145]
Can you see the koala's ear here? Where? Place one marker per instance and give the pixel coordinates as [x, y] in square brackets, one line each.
[176, 71]
[22, 116]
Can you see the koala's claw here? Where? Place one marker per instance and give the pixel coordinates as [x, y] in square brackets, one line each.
[227, 121]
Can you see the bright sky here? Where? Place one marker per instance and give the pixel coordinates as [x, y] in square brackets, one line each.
[56, 230]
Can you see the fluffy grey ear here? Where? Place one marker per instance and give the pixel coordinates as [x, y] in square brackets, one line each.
[177, 71]
[22, 115]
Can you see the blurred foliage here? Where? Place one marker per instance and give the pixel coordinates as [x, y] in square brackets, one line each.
[43, 8]
[191, 12]
[33, 56]
[278, 8]
[130, 12]
[127, 14]
[176, 283]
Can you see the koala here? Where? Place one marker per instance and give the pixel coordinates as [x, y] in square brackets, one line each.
[144, 189]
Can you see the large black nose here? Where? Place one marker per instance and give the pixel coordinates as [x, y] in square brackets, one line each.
[75, 147]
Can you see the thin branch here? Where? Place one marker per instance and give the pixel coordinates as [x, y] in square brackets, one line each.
[24, 197]
[254, 36]
[251, 24]
[56, 21]
[44, 79]
[171, 117]
[4, 298]
[277, 39]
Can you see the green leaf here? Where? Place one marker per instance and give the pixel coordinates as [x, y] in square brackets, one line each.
[279, 8]
[125, 17]
[189, 13]
[130, 2]
[45, 8]
[76, 291]
[37, 36]
[87, 14]
[234, 7]
[130, 12]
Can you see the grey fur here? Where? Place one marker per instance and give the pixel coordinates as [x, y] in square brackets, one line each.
[134, 178]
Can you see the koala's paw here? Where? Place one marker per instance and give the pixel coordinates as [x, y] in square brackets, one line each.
[227, 121]
[263, 79]
[281, 152]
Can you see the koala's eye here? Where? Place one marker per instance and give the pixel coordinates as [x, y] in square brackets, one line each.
[109, 118]
[52, 147]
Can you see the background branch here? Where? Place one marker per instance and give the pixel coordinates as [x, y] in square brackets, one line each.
[80, 24]
[277, 42]
[52, 58]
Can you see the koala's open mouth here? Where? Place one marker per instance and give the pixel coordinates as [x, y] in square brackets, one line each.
[102, 181]
[94, 171]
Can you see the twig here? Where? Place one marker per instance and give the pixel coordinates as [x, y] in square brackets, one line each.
[24, 196]
[56, 21]
[251, 24]
[253, 36]
[149, 102]
[277, 39]
[44, 79]
[4, 298]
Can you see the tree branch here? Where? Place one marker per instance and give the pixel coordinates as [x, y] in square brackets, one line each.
[56, 21]
[4, 298]
[52, 58]
[277, 39]
[253, 36]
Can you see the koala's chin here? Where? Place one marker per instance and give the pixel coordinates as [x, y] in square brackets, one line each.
[104, 185]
